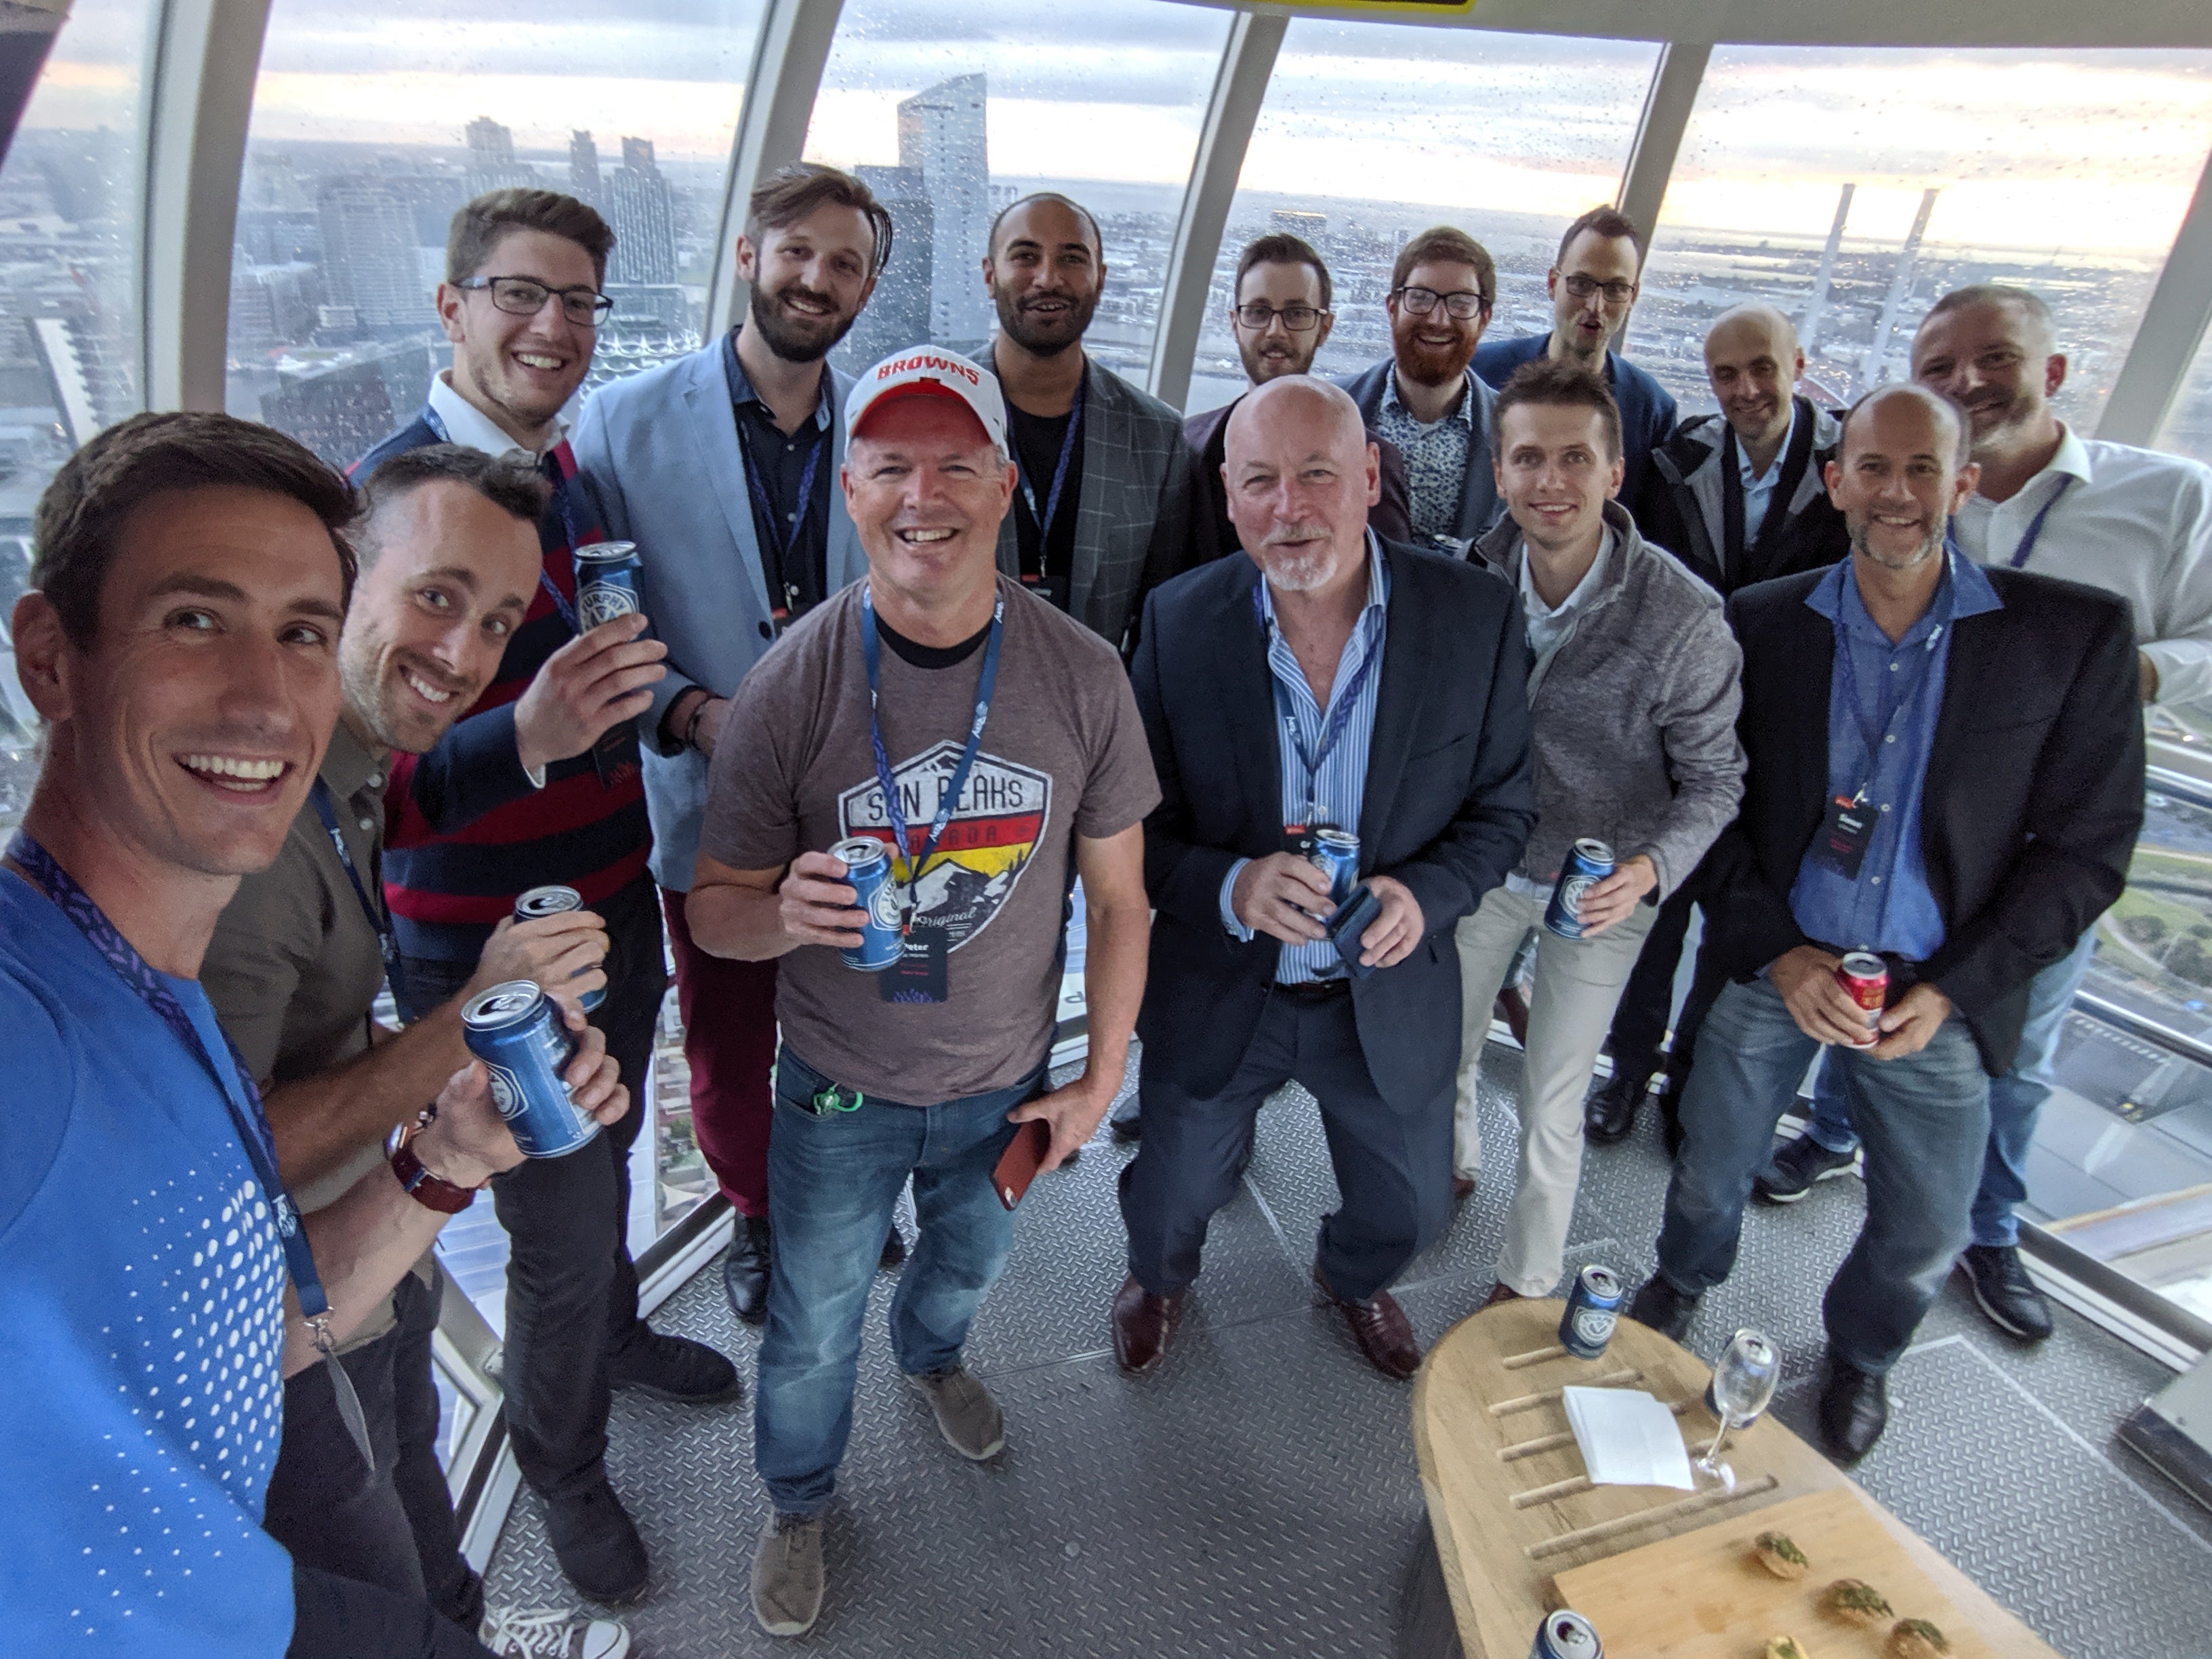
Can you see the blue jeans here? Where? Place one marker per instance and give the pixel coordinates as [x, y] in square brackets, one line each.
[1925, 1118]
[2016, 1099]
[833, 1180]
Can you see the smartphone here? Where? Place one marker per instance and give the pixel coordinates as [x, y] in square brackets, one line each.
[1018, 1165]
[1352, 919]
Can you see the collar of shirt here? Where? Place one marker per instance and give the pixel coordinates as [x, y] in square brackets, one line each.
[1463, 412]
[1533, 602]
[347, 765]
[1772, 475]
[1371, 614]
[1975, 524]
[470, 427]
[742, 391]
[1971, 593]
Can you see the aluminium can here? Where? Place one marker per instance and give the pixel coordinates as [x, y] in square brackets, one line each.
[558, 901]
[1592, 1310]
[867, 864]
[1588, 863]
[1866, 977]
[1336, 856]
[515, 1029]
[1565, 1635]
[606, 582]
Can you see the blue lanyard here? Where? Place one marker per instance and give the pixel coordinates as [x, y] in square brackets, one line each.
[386, 945]
[551, 469]
[1059, 475]
[783, 545]
[2035, 524]
[871, 649]
[1848, 671]
[1340, 713]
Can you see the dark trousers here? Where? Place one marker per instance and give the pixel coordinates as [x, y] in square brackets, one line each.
[1392, 1167]
[729, 1042]
[334, 1616]
[1639, 1019]
[571, 1287]
[391, 1525]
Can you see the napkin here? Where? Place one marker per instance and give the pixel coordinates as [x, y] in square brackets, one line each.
[1627, 1438]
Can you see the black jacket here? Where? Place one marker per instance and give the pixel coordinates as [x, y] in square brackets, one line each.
[1212, 534]
[2034, 797]
[1683, 504]
[1449, 801]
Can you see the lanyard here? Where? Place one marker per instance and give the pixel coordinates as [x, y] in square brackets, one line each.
[871, 649]
[1059, 476]
[1340, 713]
[551, 469]
[781, 545]
[2035, 524]
[1848, 669]
[386, 945]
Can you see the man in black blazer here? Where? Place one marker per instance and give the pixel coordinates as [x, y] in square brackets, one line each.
[1945, 768]
[1360, 684]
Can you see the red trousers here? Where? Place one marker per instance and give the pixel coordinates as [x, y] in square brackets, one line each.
[729, 1042]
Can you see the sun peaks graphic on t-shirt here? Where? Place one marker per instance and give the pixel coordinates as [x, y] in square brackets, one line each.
[995, 826]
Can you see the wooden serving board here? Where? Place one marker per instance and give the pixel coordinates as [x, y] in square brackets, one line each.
[1701, 1596]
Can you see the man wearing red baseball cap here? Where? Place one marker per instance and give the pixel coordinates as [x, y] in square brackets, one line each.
[985, 749]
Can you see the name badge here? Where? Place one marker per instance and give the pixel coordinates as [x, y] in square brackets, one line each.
[919, 975]
[1299, 840]
[1841, 845]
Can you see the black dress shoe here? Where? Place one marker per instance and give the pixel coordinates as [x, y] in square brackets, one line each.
[1664, 1309]
[1853, 1410]
[894, 1254]
[2005, 1293]
[596, 1544]
[673, 1367]
[1128, 1124]
[745, 1269]
[1610, 1112]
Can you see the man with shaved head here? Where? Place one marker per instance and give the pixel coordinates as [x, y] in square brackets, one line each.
[1320, 680]
[1946, 769]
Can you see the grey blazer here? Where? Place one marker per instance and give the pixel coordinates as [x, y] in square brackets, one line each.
[1132, 520]
[1479, 505]
[659, 453]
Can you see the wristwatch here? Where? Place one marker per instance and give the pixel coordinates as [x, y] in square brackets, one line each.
[425, 1188]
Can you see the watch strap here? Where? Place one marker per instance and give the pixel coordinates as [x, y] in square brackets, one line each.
[425, 1188]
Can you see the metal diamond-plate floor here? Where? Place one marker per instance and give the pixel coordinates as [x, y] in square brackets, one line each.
[1259, 1495]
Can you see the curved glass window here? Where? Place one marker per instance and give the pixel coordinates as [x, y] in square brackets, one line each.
[1372, 131]
[950, 109]
[370, 127]
[1851, 187]
[2188, 429]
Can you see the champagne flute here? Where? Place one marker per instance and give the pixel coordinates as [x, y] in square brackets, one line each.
[1743, 1383]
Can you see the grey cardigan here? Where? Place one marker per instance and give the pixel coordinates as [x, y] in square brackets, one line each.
[1635, 714]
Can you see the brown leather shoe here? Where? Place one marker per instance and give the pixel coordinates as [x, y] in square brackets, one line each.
[1462, 1188]
[1501, 1291]
[1143, 1323]
[1514, 1007]
[1382, 1329]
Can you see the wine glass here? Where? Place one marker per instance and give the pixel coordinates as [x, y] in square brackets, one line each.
[1743, 1383]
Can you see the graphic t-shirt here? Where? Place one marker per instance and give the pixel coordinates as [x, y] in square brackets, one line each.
[1063, 755]
[141, 1322]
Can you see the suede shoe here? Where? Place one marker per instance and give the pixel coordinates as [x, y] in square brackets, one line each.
[894, 1254]
[1127, 1123]
[673, 1367]
[2005, 1293]
[551, 1633]
[967, 1416]
[1144, 1324]
[1610, 1112]
[1854, 1410]
[746, 1269]
[1664, 1309]
[1791, 1172]
[788, 1575]
[596, 1544]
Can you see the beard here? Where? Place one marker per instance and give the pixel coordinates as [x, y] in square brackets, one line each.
[1429, 365]
[1304, 570]
[793, 336]
[1052, 338]
[1898, 561]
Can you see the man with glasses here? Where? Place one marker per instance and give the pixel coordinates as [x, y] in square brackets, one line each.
[1422, 397]
[1592, 285]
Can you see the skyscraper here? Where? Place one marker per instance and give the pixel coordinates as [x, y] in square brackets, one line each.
[368, 252]
[492, 165]
[942, 136]
[583, 167]
[898, 313]
[644, 218]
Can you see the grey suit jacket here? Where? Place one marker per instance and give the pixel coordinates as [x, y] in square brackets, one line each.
[659, 453]
[1479, 506]
[1132, 520]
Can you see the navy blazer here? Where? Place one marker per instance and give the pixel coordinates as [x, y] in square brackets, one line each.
[1450, 799]
[1647, 408]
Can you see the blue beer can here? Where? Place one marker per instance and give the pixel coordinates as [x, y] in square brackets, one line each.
[867, 864]
[606, 582]
[1592, 1310]
[558, 901]
[1565, 1635]
[1588, 862]
[515, 1029]
[1336, 856]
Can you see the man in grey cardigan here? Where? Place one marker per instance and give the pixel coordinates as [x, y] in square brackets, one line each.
[1633, 693]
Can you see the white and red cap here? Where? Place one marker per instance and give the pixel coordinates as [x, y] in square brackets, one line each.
[929, 371]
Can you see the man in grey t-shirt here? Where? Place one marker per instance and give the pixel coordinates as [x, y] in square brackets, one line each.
[993, 745]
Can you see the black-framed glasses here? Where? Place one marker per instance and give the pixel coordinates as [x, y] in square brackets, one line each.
[1617, 293]
[524, 296]
[1460, 306]
[1257, 314]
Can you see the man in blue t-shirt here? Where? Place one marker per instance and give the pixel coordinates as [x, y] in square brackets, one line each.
[179, 644]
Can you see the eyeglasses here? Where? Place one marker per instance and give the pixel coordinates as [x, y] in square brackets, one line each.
[522, 296]
[1421, 302]
[1616, 293]
[1299, 319]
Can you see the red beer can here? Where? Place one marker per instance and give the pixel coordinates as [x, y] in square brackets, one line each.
[1866, 977]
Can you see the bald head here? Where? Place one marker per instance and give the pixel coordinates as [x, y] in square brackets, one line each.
[1753, 360]
[1946, 428]
[1900, 472]
[1300, 476]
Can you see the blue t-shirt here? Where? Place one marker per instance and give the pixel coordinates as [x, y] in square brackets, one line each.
[141, 1292]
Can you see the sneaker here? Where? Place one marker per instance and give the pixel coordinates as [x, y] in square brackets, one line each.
[551, 1633]
[2003, 1291]
[894, 1250]
[969, 1419]
[788, 1575]
[673, 1367]
[1791, 1172]
[596, 1544]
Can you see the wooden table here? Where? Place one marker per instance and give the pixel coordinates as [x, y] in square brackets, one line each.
[1510, 1505]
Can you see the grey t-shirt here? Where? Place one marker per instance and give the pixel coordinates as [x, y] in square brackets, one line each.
[1063, 755]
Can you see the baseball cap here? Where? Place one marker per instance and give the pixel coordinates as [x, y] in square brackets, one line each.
[929, 371]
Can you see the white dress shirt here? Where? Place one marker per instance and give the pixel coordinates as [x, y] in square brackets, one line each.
[471, 428]
[2134, 522]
